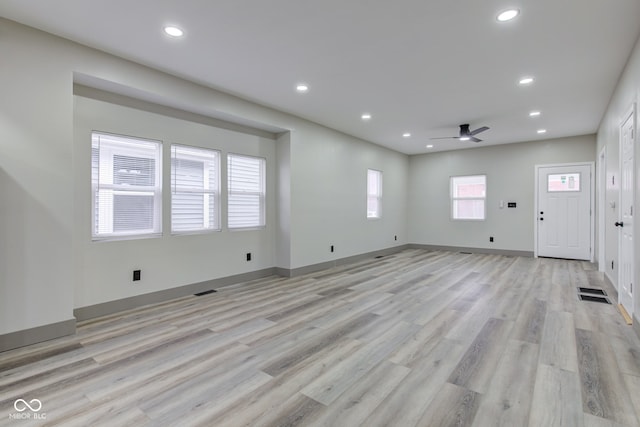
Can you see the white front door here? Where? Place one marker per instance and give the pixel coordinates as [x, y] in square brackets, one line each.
[625, 224]
[564, 211]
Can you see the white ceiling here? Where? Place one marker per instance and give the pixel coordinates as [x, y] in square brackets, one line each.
[419, 66]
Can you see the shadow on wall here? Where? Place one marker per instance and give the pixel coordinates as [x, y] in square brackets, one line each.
[26, 266]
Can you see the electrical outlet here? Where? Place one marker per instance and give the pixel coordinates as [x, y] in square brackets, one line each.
[395, 237]
[491, 238]
[248, 256]
[331, 248]
[137, 275]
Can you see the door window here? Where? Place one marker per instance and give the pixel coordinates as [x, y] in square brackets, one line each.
[563, 182]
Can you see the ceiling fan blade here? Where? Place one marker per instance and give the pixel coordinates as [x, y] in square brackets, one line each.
[466, 134]
[477, 131]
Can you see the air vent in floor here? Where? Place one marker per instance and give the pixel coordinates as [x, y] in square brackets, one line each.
[593, 299]
[593, 291]
[210, 291]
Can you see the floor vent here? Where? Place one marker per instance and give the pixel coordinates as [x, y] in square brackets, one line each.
[380, 256]
[593, 291]
[466, 253]
[210, 291]
[594, 299]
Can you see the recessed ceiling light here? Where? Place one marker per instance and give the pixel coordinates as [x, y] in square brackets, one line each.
[366, 116]
[542, 131]
[406, 135]
[302, 88]
[508, 15]
[173, 31]
[526, 80]
[430, 146]
[464, 138]
[534, 113]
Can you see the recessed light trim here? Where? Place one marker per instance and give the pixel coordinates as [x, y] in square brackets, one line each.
[366, 116]
[508, 15]
[542, 131]
[406, 135]
[302, 87]
[526, 80]
[534, 114]
[173, 31]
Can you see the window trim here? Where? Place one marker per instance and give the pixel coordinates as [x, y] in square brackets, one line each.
[262, 194]
[216, 192]
[377, 194]
[156, 190]
[454, 199]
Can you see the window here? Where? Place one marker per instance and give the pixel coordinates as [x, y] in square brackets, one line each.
[126, 186]
[563, 182]
[468, 195]
[246, 191]
[374, 193]
[195, 189]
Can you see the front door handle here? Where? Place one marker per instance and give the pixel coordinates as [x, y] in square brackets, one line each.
[619, 224]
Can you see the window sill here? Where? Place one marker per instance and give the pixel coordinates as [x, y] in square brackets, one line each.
[247, 228]
[100, 239]
[196, 232]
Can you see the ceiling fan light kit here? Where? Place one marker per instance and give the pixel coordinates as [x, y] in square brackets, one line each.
[466, 134]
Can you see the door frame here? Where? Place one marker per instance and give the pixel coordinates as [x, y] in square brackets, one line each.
[601, 169]
[591, 204]
[630, 113]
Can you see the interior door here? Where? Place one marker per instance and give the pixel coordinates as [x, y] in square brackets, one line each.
[625, 224]
[564, 211]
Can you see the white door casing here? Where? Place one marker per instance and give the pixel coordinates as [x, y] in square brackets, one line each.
[564, 224]
[601, 169]
[625, 223]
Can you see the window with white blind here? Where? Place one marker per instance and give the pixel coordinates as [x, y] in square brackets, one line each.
[374, 193]
[246, 191]
[195, 189]
[468, 194]
[126, 186]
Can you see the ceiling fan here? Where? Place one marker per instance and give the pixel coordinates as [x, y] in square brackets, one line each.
[465, 134]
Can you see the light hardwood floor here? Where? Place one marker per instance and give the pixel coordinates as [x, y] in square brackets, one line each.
[422, 338]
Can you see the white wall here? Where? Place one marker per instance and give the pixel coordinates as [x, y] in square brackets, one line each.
[510, 177]
[48, 265]
[329, 194]
[626, 94]
[283, 200]
[36, 194]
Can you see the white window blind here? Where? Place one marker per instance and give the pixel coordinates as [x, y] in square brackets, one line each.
[126, 186]
[374, 193]
[468, 194]
[246, 191]
[195, 189]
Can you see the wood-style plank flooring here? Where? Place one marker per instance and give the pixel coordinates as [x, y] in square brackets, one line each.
[419, 338]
